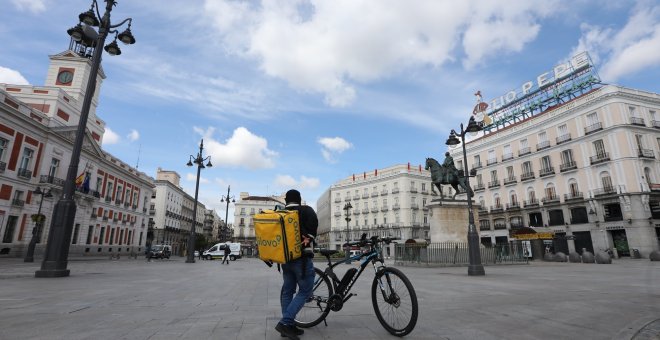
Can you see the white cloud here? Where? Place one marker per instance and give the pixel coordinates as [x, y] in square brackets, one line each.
[242, 149]
[628, 50]
[133, 135]
[288, 182]
[13, 77]
[193, 177]
[333, 146]
[110, 137]
[329, 46]
[34, 6]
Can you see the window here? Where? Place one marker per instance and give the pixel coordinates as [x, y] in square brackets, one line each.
[607, 182]
[479, 180]
[109, 192]
[613, 212]
[27, 158]
[507, 152]
[90, 234]
[509, 172]
[74, 237]
[527, 167]
[543, 137]
[567, 157]
[556, 217]
[101, 235]
[562, 130]
[573, 189]
[523, 144]
[639, 139]
[550, 192]
[477, 161]
[493, 175]
[112, 236]
[3, 148]
[54, 166]
[423, 187]
[545, 163]
[592, 119]
[599, 147]
[8, 236]
[633, 112]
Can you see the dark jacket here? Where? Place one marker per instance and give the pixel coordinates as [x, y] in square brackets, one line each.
[227, 250]
[309, 223]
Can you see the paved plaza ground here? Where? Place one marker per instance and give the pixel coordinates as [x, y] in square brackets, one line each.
[171, 299]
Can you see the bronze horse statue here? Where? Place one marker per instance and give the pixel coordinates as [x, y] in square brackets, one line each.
[441, 175]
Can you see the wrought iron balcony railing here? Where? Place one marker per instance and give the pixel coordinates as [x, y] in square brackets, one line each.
[599, 158]
[593, 128]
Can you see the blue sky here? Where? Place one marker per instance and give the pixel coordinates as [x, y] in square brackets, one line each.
[301, 94]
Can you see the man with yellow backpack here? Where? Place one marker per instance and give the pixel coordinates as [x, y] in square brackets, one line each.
[299, 272]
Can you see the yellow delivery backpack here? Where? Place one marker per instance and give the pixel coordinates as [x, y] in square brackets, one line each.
[278, 235]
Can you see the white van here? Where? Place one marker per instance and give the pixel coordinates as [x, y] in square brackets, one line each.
[218, 251]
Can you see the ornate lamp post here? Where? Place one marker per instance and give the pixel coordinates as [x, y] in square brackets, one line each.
[227, 198]
[199, 160]
[39, 221]
[475, 267]
[64, 214]
[348, 208]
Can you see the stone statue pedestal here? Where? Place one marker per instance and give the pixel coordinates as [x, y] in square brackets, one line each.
[449, 220]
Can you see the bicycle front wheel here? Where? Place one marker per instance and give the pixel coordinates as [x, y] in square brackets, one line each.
[316, 307]
[395, 301]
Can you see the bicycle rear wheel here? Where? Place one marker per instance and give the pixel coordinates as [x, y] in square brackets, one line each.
[395, 301]
[316, 307]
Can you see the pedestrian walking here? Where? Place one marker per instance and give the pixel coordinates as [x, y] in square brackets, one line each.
[299, 272]
[227, 251]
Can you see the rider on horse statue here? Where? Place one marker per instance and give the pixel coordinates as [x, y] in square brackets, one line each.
[451, 173]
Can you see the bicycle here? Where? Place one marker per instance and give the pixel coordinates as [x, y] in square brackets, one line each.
[392, 294]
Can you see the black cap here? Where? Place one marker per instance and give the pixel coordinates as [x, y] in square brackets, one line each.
[292, 196]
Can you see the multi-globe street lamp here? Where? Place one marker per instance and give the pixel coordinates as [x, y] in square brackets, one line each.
[39, 220]
[228, 199]
[475, 268]
[85, 38]
[199, 160]
[348, 208]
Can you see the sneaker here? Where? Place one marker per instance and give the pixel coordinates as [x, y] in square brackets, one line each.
[287, 331]
[297, 330]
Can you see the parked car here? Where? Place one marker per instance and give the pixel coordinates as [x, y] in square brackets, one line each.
[160, 251]
[218, 251]
[196, 253]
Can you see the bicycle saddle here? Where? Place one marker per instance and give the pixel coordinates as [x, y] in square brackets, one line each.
[328, 252]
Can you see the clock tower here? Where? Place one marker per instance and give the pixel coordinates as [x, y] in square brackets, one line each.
[70, 72]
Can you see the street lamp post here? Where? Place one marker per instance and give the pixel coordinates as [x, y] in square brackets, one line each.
[227, 198]
[64, 214]
[475, 267]
[199, 160]
[348, 208]
[36, 231]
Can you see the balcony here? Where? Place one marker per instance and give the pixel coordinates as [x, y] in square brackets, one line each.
[655, 124]
[347, 199]
[105, 218]
[134, 207]
[365, 210]
[491, 161]
[396, 206]
[414, 206]
[365, 195]
[413, 190]
[547, 171]
[94, 215]
[593, 128]
[356, 197]
[608, 190]
[337, 213]
[542, 145]
[524, 151]
[117, 202]
[477, 165]
[500, 226]
[573, 196]
[507, 156]
[599, 158]
[374, 194]
[17, 202]
[510, 180]
[337, 199]
[24, 173]
[144, 210]
[484, 226]
[51, 180]
[568, 166]
[384, 209]
[395, 190]
[637, 121]
[483, 210]
[645, 153]
[550, 199]
[563, 139]
[95, 193]
[425, 191]
[478, 187]
[126, 204]
[531, 203]
[374, 209]
[356, 212]
[527, 176]
[3, 165]
[496, 208]
[108, 199]
[493, 184]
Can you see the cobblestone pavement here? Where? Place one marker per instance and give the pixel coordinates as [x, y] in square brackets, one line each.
[171, 299]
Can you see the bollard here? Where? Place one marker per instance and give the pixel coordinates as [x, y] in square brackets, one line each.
[560, 257]
[574, 257]
[603, 258]
[654, 255]
[587, 257]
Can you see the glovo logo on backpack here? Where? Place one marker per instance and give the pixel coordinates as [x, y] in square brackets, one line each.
[269, 243]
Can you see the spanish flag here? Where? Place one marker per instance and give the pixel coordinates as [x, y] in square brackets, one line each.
[80, 179]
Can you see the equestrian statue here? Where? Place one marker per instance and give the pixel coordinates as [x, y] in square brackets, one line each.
[447, 173]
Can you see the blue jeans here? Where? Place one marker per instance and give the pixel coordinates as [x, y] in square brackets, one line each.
[293, 275]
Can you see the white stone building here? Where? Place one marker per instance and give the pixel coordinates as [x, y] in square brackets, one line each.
[387, 202]
[245, 208]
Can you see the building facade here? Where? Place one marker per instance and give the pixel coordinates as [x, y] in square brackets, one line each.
[587, 171]
[172, 213]
[388, 202]
[37, 132]
[244, 211]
